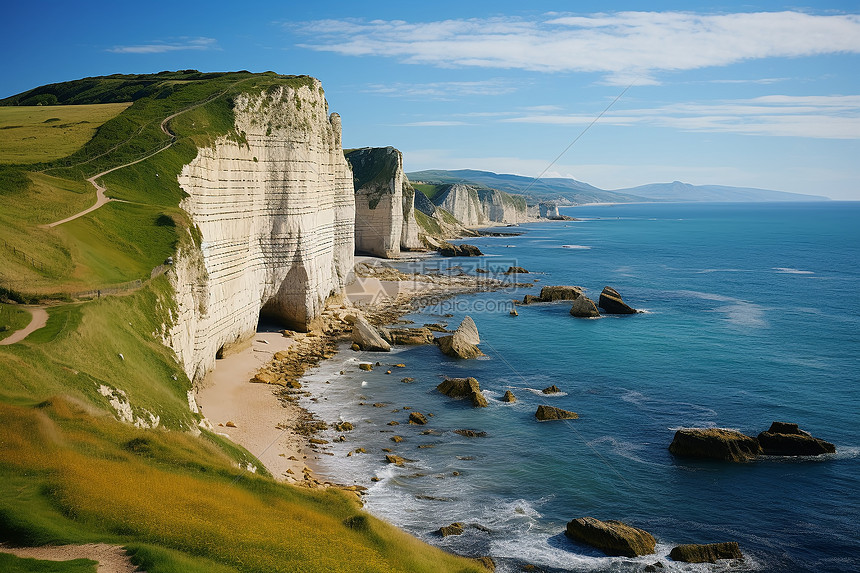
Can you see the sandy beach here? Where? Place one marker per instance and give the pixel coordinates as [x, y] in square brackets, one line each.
[259, 416]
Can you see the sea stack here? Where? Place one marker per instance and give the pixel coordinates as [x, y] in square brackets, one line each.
[611, 303]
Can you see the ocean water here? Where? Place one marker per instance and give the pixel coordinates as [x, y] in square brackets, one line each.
[751, 315]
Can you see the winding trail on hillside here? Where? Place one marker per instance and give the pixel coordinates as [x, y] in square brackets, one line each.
[40, 319]
[101, 198]
[110, 558]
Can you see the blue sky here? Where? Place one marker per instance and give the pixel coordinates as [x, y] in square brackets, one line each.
[758, 94]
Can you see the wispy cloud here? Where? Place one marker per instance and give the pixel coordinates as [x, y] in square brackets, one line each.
[828, 117]
[434, 123]
[628, 47]
[162, 47]
[444, 90]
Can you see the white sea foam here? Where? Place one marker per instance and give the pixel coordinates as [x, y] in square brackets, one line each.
[791, 271]
[580, 247]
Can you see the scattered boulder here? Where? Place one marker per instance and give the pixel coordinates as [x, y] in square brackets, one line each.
[584, 307]
[554, 293]
[612, 537]
[367, 337]
[694, 553]
[516, 270]
[514, 312]
[264, 377]
[509, 397]
[407, 380]
[417, 418]
[714, 443]
[463, 343]
[530, 299]
[611, 303]
[545, 413]
[463, 388]
[410, 336]
[471, 433]
[456, 528]
[396, 460]
[551, 389]
[344, 427]
[482, 271]
[464, 250]
[365, 366]
[786, 439]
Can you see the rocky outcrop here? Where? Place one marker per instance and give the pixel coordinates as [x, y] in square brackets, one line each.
[408, 336]
[274, 205]
[463, 250]
[463, 343]
[384, 202]
[786, 439]
[612, 537]
[367, 337]
[509, 397]
[455, 528]
[463, 388]
[551, 389]
[611, 303]
[584, 307]
[714, 443]
[710, 553]
[515, 270]
[546, 413]
[417, 418]
[554, 293]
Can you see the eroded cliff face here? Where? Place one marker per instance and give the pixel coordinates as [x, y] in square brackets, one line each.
[275, 207]
[384, 202]
[475, 207]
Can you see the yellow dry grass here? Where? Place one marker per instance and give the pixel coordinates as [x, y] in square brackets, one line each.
[33, 134]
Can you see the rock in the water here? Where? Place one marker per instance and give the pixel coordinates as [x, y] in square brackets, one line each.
[471, 433]
[464, 250]
[584, 307]
[509, 397]
[551, 389]
[410, 336]
[546, 413]
[396, 460]
[530, 298]
[516, 270]
[367, 337]
[453, 529]
[612, 537]
[365, 366]
[417, 418]
[463, 343]
[514, 312]
[554, 293]
[487, 562]
[463, 388]
[695, 553]
[610, 301]
[785, 439]
[714, 443]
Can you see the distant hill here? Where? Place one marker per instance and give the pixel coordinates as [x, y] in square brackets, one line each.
[565, 190]
[678, 191]
[578, 192]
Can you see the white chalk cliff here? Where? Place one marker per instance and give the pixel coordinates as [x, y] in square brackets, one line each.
[384, 202]
[474, 207]
[275, 207]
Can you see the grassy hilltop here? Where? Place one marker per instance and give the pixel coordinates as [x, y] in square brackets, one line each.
[70, 472]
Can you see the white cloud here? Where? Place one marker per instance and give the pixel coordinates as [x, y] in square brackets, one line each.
[435, 123]
[162, 47]
[444, 90]
[629, 47]
[827, 117]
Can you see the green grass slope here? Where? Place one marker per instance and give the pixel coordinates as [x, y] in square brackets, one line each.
[70, 470]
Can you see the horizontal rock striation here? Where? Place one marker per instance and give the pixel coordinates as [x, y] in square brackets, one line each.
[475, 207]
[274, 205]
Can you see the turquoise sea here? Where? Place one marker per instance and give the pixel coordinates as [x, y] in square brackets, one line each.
[752, 315]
